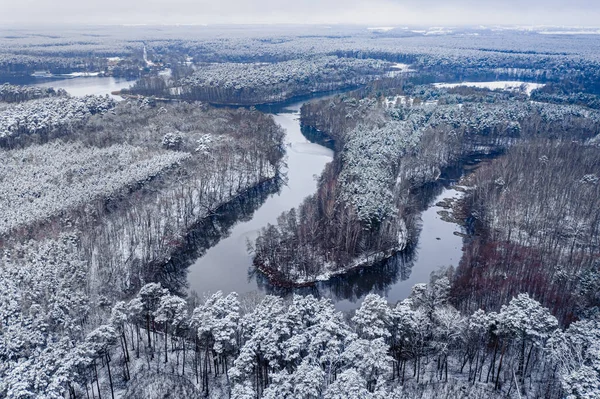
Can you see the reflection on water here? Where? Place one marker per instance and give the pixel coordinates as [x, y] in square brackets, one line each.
[227, 266]
[436, 246]
[347, 290]
[215, 255]
[209, 232]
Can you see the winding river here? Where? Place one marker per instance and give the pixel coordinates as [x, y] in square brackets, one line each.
[227, 266]
[221, 261]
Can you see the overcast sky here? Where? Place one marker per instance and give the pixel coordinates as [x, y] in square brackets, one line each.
[370, 12]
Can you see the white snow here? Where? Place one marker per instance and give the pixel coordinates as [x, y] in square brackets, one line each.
[81, 74]
[502, 85]
[381, 28]
[438, 31]
[405, 100]
[570, 32]
[399, 68]
[402, 67]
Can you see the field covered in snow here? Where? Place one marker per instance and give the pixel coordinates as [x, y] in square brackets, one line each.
[527, 87]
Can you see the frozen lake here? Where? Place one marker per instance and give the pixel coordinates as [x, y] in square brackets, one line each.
[81, 86]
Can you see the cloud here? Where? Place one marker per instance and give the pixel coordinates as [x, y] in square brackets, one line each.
[413, 12]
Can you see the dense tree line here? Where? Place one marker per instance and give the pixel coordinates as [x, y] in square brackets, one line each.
[16, 94]
[482, 54]
[222, 345]
[24, 65]
[461, 54]
[66, 51]
[570, 91]
[21, 68]
[247, 84]
[536, 214]
[46, 118]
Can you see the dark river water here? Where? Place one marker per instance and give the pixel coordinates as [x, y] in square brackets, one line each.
[217, 256]
[227, 266]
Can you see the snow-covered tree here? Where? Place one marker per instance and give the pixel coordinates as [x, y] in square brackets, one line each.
[374, 318]
[172, 313]
[530, 324]
[577, 352]
[371, 360]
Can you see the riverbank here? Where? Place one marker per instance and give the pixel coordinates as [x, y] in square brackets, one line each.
[227, 264]
[207, 232]
[440, 210]
[363, 212]
[367, 260]
[435, 241]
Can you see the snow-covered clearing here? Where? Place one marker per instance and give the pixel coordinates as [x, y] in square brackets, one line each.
[401, 66]
[381, 28]
[498, 85]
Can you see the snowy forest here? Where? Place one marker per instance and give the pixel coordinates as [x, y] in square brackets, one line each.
[108, 201]
[251, 84]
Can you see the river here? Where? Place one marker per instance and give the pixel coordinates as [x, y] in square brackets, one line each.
[221, 261]
[227, 266]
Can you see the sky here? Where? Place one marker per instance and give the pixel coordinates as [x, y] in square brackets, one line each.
[364, 12]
